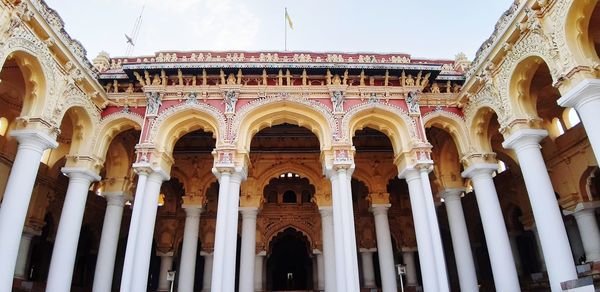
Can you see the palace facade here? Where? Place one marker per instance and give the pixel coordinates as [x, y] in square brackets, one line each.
[301, 171]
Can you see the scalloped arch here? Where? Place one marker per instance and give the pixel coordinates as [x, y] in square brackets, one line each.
[110, 126]
[313, 177]
[181, 119]
[266, 112]
[281, 227]
[391, 120]
[453, 124]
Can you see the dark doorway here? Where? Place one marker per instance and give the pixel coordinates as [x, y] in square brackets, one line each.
[289, 266]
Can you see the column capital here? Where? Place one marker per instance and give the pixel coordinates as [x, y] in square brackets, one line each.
[523, 138]
[249, 212]
[479, 169]
[583, 207]
[206, 254]
[142, 168]
[165, 254]
[261, 253]
[193, 202]
[452, 194]
[380, 209]
[35, 139]
[117, 198]
[585, 91]
[326, 211]
[409, 173]
[80, 173]
[316, 251]
[379, 198]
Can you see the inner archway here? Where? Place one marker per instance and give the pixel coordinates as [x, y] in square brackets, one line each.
[289, 265]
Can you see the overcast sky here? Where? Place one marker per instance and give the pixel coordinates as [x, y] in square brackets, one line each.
[422, 28]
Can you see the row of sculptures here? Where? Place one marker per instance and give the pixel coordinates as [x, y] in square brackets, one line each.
[404, 80]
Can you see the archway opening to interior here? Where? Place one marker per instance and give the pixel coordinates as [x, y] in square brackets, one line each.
[289, 265]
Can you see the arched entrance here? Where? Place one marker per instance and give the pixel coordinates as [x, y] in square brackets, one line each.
[289, 265]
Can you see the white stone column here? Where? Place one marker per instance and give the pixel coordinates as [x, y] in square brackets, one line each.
[248, 249]
[67, 235]
[259, 261]
[24, 253]
[220, 230]
[585, 99]
[411, 268]
[590, 235]
[109, 240]
[460, 240]
[189, 249]
[344, 233]
[320, 272]
[166, 264]
[438, 248]
[546, 212]
[368, 268]
[207, 276]
[232, 234]
[127, 274]
[496, 236]
[422, 230]
[385, 250]
[328, 248]
[143, 248]
[17, 195]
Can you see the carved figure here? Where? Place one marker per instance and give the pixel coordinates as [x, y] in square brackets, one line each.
[239, 76]
[153, 103]
[230, 99]
[204, 76]
[386, 79]
[338, 99]
[412, 102]
[139, 78]
[328, 77]
[130, 88]
[163, 77]
[425, 80]
[180, 77]
[264, 76]
[337, 80]
[115, 86]
[231, 79]
[304, 81]
[410, 81]
[288, 77]
[147, 77]
[448, 87]
[345, 80]
[362, 77]
[403, 79]
[280, 78]
[156, 80]
[418, 81]
[435, 88]
[222, 75]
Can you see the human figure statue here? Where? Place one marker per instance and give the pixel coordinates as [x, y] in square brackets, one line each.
[338, 99]
[412, 102]
[230, 99]
[153, 103]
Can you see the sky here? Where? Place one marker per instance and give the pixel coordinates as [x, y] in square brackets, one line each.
[422, 28]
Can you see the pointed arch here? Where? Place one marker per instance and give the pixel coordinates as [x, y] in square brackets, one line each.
[453, 125]
[109, 127]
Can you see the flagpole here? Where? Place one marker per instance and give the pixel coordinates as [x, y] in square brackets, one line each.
[285, 25]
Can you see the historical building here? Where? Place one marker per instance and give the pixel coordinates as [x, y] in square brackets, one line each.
[304, 171]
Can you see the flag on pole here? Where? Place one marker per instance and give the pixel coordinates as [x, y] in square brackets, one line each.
[289, 20]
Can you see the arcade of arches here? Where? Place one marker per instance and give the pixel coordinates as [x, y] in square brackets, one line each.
[290, 171]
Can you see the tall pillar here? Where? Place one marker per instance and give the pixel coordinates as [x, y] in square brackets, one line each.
[422, 230]
[328, 248]
[166, 264]
[387, 269]
[17, 195]
[207, 276]
[408, 256]
[368, 269]
[232, 234]
[67, 235]
[187, 265]
[24, 253]
[585, 99]
[248, 250]
[344, 233]
[220, 230]
[145, 232]
[590, 235]
[259, 260]
[496, 236]
[109, 240]
[438, 248]
[467, 277]
[143, 172]
[548, 218]
[320, 272]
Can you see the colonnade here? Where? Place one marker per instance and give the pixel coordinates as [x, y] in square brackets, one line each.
[339, 244]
